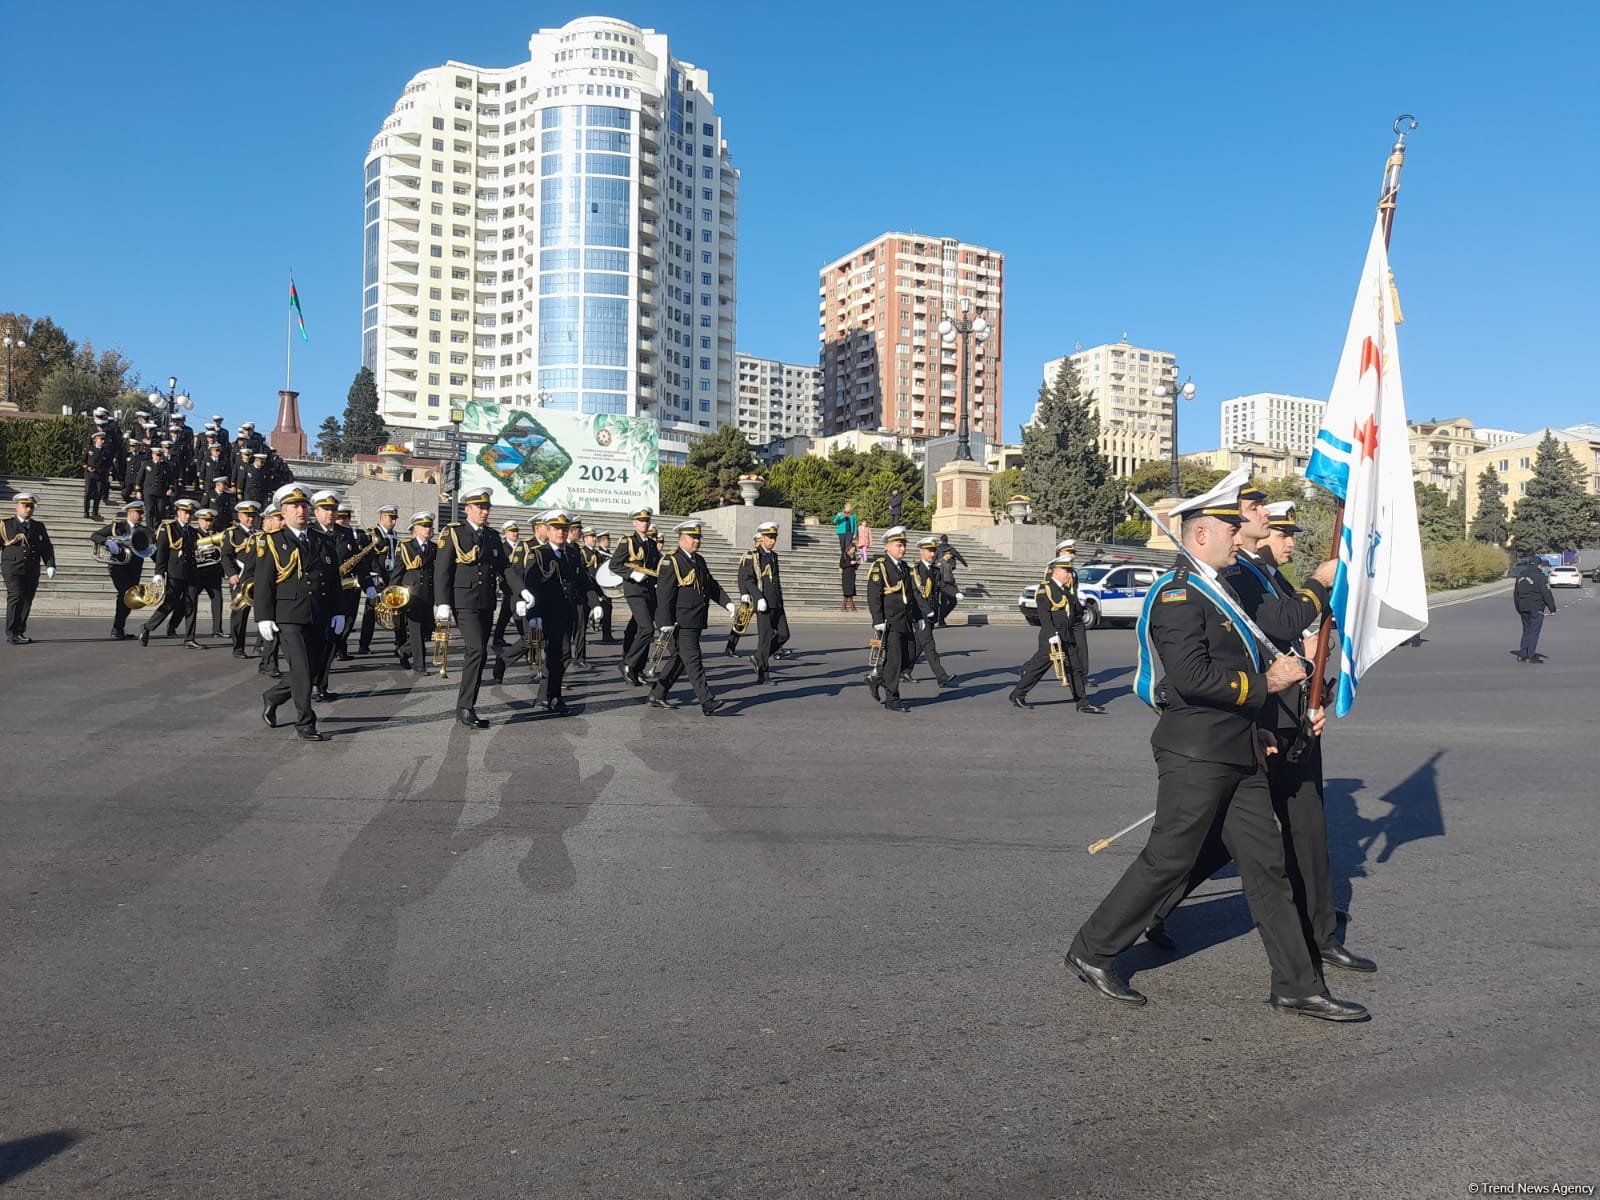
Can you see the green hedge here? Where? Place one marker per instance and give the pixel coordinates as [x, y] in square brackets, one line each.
[1461, 564]
[53, 449]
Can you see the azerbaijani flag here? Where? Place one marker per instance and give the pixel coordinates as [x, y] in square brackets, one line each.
[299, 316]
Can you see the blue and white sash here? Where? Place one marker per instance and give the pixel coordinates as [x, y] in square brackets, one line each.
[1144, 684]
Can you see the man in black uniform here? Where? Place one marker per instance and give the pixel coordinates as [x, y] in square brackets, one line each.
[685, 590]
[1532, 597]
[270, 653]
[157, 487]
[413, 569]
[466, 578]
[324, 516]
[138, 457]
[239, 567]
[1209, 755]
[1058, 613]
[176, 565]
[354, 545]
[637, 560]
[734, 632]
[759, 582]
[387, 535]
[297, 582]
[25, 550]
[516, 556]
[594, 557]
[926, 593]
[97, 464]
[560, 594]
[124, 564]
[893, 610]
[208, 568]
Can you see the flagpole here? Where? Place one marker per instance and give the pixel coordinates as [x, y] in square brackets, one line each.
[288, 342]
[1388, 196]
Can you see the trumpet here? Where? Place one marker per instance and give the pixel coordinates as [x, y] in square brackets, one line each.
[392, 601]
[441, 648]
[1058, 661]
[742, 616]
[875, 652]
[245, 596]
[145, 595]
[661, 649]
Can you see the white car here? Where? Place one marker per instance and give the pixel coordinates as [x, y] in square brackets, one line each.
[1110, 593]
[1565, 577]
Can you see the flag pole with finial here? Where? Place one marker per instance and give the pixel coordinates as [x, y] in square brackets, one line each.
[1388, 196]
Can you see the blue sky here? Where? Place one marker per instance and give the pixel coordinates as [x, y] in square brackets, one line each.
[1201, 176]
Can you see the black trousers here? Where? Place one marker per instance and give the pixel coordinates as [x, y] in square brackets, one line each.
[239, 622]
[305, 647]
[322, 665]
[415, 630]
[1532, 623]
[947, 605]
[922, 637]
[508, 604]
[1193, 797]
[685, 659]
[578, 635]
[95, 489]
[123, 578]
[1034, 669]
[1080, 638]
[20, 589]
[606, 606]
[474, 626]
[558, 644]
[1297, 802]
[898, 655]
[271, 655]
[181, 603]
[641, 630]
[369, 624]
[772, 632]
[211, 586]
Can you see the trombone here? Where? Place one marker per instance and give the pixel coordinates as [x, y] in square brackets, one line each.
[661, 649]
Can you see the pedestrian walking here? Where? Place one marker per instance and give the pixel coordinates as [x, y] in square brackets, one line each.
[1531, 594]
[845, 525]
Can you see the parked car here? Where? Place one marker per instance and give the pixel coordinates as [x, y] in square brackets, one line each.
[1568, 576]
[1111, 594]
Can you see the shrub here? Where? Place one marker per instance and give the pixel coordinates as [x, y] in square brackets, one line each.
[684, 489]
[51, 449]
[1461, 564]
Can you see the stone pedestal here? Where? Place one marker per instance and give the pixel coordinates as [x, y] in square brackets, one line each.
[1163, 509]
[737, 523]
[287, 438]
[1019, 543]
[961, 492]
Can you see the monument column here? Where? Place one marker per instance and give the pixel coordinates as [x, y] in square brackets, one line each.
[287, 438]
[961, 491]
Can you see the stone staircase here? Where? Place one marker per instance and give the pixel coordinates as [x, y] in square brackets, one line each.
[991, 583]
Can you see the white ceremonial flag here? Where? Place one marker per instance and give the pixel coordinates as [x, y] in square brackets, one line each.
[1380, 597]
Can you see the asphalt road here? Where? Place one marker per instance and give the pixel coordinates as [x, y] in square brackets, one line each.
[805, 947]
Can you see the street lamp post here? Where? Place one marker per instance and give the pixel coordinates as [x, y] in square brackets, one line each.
[457, 416]
[1186, 392]
[967, 329]
[170, 400]
[20, 343]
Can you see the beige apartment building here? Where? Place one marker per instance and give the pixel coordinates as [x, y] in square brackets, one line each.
[1265, 462]
[1442, 452]
[1513, 462]
[884, 365]
[1123, 379]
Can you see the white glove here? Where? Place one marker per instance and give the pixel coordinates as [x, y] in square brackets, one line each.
[1056, 641]
[49, 572]
[157, 577]
[595, 613]
[114, 545]
[761, 605]
[337, 625]
[522, 608]
[527, 597]
[267, 629]
[961, 596]
[880, 627]
[745, 599]
[732, 608]
[666, 629]
[636, 576]
[535, 623]
[921, 625]
[372, 593]
[441, 612]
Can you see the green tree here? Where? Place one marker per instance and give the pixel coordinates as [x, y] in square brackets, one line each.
[1490, 524]
[684, 490]
[1436, 517]
[47, 347]
[1153, 479]
[1071, 484]
[1555, 513]
[330, 438]
[364, 430]
[1005, 484]
[811, 486]
[724, 454]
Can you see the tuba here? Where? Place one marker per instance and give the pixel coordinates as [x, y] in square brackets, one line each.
[145, 595]
[392, 601]
[245, 596]
[137, 544]
[208, 549]
[742, 616]
[661, 649]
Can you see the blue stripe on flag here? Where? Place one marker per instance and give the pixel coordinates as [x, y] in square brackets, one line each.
[1324, 436]
[1329, 473]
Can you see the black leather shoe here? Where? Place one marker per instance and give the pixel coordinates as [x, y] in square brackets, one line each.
[1017, 700]
[144, 637]
[632, 678]
[191, 644]
[309, 735]
[240, 654]
[273, 674]
[1321, 1006]
[762, 676]
[899, 706]
[658, 702]
[405, 662]
[1086, 707]
[556, 707]
[949, 681]
[498, 671]
[269, 714]
[1337, 955]
[875, 687]
[347, 658]
[711, 705]
[1108, 983]
[726, 653]
[468, 718]
[322, 696]
[1157, 935]
[118, 636]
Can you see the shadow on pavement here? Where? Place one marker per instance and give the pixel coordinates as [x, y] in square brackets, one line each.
[22, 1154]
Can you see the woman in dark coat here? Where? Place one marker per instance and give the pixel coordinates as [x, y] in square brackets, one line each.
[847, 580]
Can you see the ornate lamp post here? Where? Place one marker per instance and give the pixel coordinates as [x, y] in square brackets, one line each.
[20, 343]
[170, 400]
[1186, 392]
[966, 329]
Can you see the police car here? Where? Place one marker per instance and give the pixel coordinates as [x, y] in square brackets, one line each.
[1112, 593]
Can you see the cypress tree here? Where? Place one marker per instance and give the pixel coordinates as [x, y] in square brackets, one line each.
[1069, 480]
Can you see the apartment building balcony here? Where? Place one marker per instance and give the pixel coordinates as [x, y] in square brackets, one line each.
[647, 322]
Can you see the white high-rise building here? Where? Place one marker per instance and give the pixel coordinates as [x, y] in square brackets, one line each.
[777, 400]
[1272, 419]
[561, 233]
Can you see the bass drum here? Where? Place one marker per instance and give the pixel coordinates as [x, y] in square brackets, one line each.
[608, 581]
